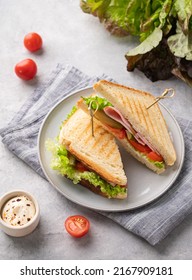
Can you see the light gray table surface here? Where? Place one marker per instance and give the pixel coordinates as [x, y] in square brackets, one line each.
[72, 37]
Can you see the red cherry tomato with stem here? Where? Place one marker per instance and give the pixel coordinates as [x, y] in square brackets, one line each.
[33, 42]
[77, 225]
[26, 69]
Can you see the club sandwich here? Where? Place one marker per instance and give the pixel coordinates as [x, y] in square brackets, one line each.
[141, 130]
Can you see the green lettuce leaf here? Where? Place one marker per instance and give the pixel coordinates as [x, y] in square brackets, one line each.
[157, 17]
[73, 110]
[151, 42]
[116, 20]
[95, 7]
[159, 164]
[60, 160]
[165, 10]
[179, 44]
[96, 102]
[183, 10]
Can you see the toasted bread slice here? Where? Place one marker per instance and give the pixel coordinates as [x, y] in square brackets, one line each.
[149, 123]
[99, 153]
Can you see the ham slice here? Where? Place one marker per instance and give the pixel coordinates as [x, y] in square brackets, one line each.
[114, 114]
[147, 143]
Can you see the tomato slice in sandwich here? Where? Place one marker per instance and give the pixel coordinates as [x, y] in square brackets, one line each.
[77, 226]
[141, 148]
[154, 156]
[119, 132]
[80, 166]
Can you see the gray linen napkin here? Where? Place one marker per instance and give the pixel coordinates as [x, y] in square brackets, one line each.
[152, 222]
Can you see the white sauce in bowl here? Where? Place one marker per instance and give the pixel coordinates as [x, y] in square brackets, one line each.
[18, 211]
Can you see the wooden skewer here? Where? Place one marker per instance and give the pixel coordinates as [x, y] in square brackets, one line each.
[163, 95]
[92, 114]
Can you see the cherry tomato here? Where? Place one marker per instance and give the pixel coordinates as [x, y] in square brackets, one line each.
[154, 156]
[77, 226]
[26, 69]
[33, 42]
[80, 166]
[141, 148]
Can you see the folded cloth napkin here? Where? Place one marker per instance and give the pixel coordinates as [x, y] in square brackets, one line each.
[152, 222]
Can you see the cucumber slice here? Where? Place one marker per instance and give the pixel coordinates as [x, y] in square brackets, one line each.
[101, 116]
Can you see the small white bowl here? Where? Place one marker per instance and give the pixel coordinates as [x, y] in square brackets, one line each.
[18, 231]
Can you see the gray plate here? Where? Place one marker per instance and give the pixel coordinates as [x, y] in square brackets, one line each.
[144, 186]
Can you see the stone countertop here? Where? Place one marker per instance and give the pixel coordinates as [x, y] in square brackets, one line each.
[71, 37]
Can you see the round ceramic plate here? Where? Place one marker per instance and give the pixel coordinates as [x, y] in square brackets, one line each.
[144, 185]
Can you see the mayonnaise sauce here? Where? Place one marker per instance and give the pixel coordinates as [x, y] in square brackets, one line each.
[18, 211]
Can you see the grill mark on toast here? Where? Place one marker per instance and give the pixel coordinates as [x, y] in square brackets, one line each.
[160, 138]
[165, 138]
[87, 139]
[153, 128]
[136, 109]
[125, 101]
[99, 140]
[87, 134]
[104, 148]
[149, 123]
[143, 114]
[110, 154]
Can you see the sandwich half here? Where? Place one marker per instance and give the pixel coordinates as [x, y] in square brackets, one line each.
[143, 132]
[93, 161]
